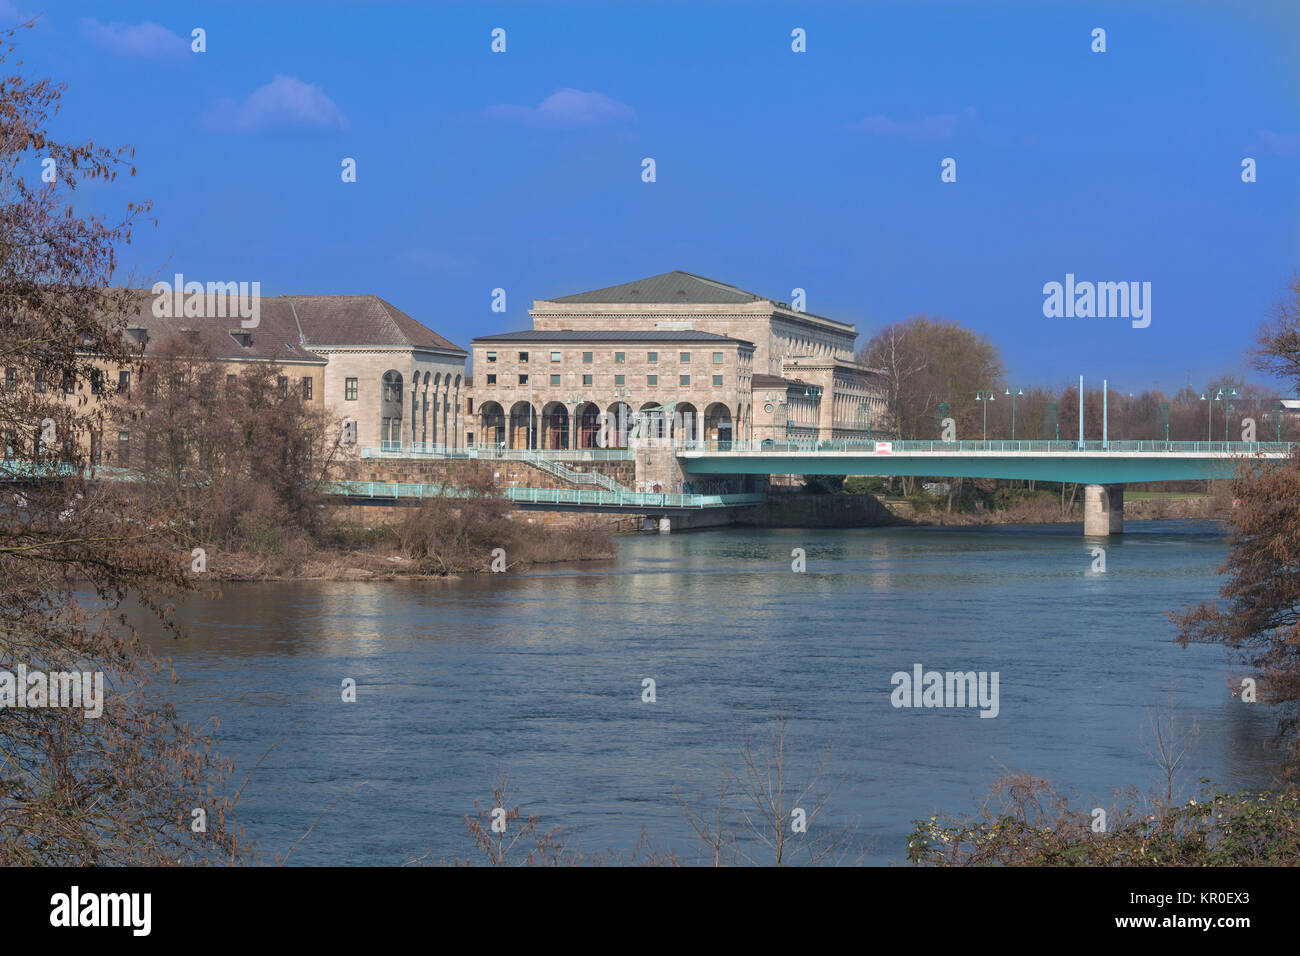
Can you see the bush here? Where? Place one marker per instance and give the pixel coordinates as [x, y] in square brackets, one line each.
[858, 485]
[823, 484]
[1033, 826]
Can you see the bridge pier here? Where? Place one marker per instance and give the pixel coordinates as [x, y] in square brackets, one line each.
[1103, 510]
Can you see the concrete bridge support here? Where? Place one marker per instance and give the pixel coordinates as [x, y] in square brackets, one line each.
[1103, 510]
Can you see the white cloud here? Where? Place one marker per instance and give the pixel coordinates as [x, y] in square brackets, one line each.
[940, 126]
[148, 40]
[284, 102]
[568, 109]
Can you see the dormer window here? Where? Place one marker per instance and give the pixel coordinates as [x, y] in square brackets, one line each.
[244, 338]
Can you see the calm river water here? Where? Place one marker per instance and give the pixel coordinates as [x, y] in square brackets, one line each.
[541, 674]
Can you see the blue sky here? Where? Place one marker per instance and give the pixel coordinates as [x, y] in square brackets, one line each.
[775, 169]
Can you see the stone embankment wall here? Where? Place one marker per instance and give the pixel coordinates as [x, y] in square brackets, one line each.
[508, 473]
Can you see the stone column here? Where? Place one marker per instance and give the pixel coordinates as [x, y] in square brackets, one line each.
[1103, 510]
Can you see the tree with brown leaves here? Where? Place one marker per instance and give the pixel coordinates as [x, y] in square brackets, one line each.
[131, 785]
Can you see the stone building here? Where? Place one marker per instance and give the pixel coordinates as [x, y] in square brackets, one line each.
[398, 380]
[784, 374]
[364, 360]
[572, 388]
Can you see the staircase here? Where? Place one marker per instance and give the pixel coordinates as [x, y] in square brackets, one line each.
[576, 477]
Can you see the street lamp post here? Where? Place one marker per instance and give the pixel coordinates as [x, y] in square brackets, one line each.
[985, 397]
[1014, 395]
[1227, 411]
[1209, 416]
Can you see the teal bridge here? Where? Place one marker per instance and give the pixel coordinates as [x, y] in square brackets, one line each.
[1103, 467]
[607, 496]
[551, 499]
[1088, 463]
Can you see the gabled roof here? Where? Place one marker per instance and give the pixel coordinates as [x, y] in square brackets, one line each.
[274, 339]
[669, 287]
[290, 325]
[337, 320]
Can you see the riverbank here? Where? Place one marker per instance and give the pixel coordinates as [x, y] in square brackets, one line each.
[366, 546]
[1156, 507]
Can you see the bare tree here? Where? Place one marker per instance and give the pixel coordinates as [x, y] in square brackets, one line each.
[776, 809]
[1168, 742]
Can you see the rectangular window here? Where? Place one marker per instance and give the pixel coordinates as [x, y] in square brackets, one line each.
[492, 356]
[231, 381]
[284, 386]
[11, 444]
[586, 380]
[123, 381]
[652, 380]
[555, 356]
[492, 379]
[11, 377]
[350, 389]
[686, 380]
[717, 358]
[619, 380]
[620, 358]
[306, 388]
[523, 379]
[717, 381]
[652, 357]
[586, 358]
[523, 357]
[685, 358]
[69, 383]
[40, 382]
[555, 381]
[96, 382]
[123, 448]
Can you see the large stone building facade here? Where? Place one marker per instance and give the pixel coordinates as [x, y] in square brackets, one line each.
[384, 378]
[573, 389]
[769, 371]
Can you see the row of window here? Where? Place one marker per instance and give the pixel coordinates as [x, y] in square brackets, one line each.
[124, 383]
[619, 357]
[69, 382]
[651, 381]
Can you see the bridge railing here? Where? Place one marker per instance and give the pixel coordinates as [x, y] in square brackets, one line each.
[393, 490]
[391, 449]
[863, 447]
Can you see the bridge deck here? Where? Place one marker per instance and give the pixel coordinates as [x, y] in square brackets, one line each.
[1115, 462]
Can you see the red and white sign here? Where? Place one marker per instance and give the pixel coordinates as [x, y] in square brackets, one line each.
[884, 448]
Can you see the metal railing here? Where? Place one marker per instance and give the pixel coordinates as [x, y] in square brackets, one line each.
[570, 475]
[479, 450]
[857, 446]
[558, 496]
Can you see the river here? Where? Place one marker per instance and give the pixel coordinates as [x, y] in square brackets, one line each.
[541, 674]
